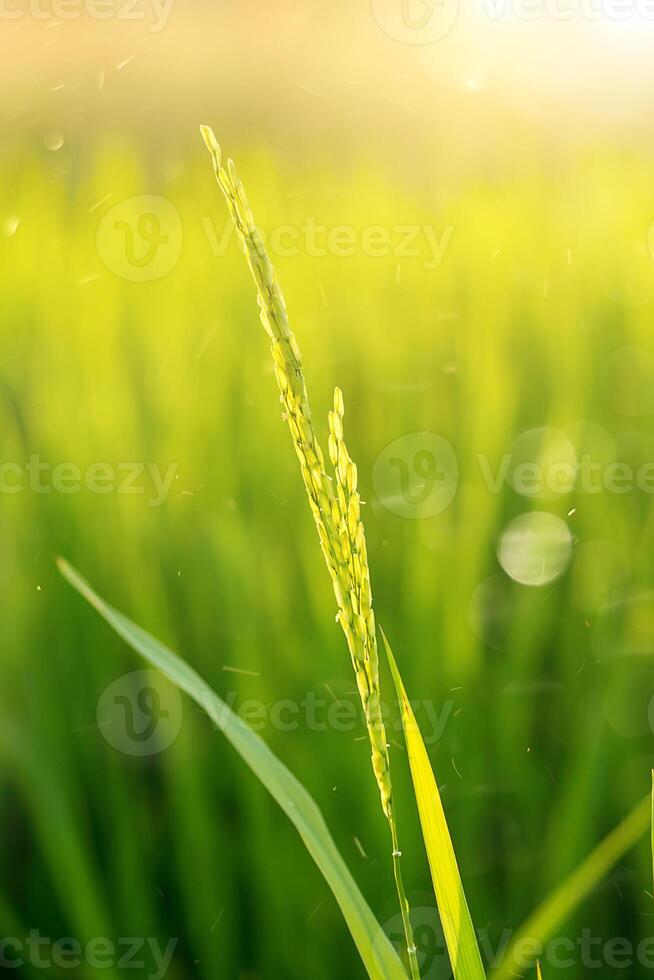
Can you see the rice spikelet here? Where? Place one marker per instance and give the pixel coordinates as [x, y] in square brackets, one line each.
[335, 504]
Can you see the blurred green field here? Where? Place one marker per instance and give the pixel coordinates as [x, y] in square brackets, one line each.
[538, 316]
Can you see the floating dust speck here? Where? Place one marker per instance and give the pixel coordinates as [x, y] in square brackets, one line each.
[103, 200]
[10, 226]
[330, 692]
[53, 141]
[318, 906]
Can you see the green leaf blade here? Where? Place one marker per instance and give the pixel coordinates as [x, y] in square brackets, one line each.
[378, 955]
[458, 929]
[552, 913]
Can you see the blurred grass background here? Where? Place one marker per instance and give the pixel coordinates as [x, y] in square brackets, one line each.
[547, 274]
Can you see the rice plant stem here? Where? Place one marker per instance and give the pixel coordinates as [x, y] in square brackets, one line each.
[404, 904]
[335, 503]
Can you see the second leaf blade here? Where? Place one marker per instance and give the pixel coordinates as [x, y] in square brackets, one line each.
[457, 924]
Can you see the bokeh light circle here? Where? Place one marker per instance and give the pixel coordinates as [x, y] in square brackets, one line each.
[535, 548]
[543, 464]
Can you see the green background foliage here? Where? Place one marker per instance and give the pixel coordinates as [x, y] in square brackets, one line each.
[547, 745]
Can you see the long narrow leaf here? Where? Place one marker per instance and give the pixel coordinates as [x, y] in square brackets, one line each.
[380, 959]
[452, 905]
[553, 912]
